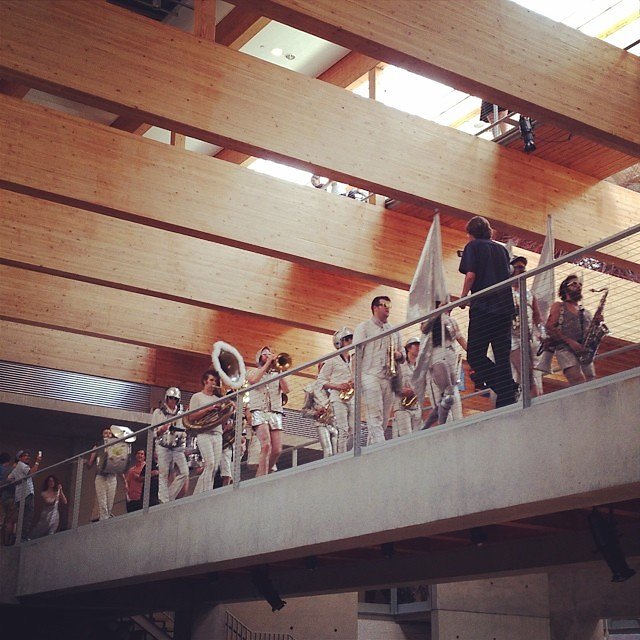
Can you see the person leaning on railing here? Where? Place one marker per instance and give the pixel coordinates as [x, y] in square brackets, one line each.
[25, 490]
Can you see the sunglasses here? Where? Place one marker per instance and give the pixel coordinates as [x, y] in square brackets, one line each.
[386, 305]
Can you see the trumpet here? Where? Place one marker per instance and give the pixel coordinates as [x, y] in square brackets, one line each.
[282, 362]
[410, 401]
[347, 394]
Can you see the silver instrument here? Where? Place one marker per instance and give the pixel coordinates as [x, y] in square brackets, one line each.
[595, 333]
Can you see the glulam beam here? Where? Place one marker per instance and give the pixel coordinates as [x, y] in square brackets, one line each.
[83, 245]
[496, 49]
[83, 164]
[243, 103]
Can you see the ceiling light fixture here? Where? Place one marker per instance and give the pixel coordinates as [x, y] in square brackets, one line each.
[277, 52]
[290, 56]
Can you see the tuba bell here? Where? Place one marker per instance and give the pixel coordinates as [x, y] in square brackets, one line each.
[229, 365]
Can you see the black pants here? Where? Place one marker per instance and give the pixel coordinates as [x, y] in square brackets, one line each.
[491, 329]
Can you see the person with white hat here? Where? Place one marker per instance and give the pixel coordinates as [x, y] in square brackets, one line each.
[336, 377]
[407, 415]
[265, 403]
[171, 439]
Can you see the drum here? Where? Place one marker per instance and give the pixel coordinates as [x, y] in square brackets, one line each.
[115, 458]
[173, 437]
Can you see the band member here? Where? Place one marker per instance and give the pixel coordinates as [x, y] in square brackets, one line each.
[567, 324]
[266, 409]
[444, 368]
[486, 263]
[519, 265]
[209, 442]
[407, 416]
[318, 408]
[105, 482]
[337, 378]
[171, 439]
[379, 367]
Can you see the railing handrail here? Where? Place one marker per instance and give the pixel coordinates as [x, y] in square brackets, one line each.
[594, 246]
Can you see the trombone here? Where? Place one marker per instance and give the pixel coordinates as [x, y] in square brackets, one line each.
[282, 362]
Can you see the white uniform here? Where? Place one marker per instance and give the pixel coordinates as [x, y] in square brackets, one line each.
[318, 398]
[375, 376]
[405, 420]
[209, 444]
[170, 450]
[266, 403]
[337, 371]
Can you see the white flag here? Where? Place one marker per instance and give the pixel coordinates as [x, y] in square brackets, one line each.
[429, 283]
[544, 284]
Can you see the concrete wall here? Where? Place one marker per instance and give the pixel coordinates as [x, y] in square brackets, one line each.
[314, 618]
[513, 608]
[377, 629]
[568, 450]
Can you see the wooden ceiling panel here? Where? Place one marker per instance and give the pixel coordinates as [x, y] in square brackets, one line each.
[397, 154]
[520, 65]
[80, 244]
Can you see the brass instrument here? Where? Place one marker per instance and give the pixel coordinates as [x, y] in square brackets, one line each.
[409, 402]
[346, 395]
[282, 362]
[229, 365]
[595, 332]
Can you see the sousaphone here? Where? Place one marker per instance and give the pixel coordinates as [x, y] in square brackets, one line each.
[229, 365]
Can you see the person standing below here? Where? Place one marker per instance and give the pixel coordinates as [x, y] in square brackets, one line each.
[105, 482]
[337, 378]
[519, 265]
[379, 358]
[486, 263]
[407, 416]
[134, 482]
[25, 490]
[266, 409]
[209, 442]
[49, 520]
[171, 439]
[566, 325]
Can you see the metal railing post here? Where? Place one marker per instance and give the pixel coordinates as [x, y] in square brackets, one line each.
[23, 495]
[77, 493]
[237, 444]
[525, 346]
[294, 458]
[146, 494]
[357, 401]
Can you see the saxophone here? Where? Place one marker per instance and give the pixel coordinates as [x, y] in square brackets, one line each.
[595, 332]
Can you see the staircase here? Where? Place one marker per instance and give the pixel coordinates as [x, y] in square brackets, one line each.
[236, 630]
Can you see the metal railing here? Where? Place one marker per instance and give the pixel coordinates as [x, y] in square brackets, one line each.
[620, 316]
[236, 630]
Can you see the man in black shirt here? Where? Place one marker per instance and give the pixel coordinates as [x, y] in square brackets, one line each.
[485, 263]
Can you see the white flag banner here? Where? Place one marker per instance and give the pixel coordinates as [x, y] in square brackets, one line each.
[544, 284]
[428, 288]
[429, 283]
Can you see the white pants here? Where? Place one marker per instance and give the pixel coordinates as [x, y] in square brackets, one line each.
[210, 446]
[166, 459]
[405, 421]
[378, 402]
[343, 419]
[326, 440]
[226, 466]
[105, 494]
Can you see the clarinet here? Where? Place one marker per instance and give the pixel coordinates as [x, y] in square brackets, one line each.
[595, 332]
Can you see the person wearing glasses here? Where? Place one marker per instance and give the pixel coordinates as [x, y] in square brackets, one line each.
[380, 359]
[567, 324]
[171, 439]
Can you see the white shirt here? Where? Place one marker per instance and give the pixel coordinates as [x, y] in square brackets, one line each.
[21, 471]
[375, 359]
[335, 371]
[201, 399]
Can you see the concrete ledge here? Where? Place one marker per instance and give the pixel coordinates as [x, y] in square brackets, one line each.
[573, 450]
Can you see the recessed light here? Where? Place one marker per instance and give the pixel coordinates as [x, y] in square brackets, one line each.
[277, 52]
[290, 56]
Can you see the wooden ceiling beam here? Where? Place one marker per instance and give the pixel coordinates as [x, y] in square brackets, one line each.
[495, 49]
[217, 102]
[88, 246]
[84, 164]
